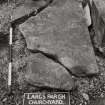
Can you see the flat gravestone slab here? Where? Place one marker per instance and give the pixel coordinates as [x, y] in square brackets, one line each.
[44, 72]
[62, 31]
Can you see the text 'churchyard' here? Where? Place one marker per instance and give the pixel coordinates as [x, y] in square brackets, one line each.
[54, 98]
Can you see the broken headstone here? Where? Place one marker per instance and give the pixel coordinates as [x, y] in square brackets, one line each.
[62, 31]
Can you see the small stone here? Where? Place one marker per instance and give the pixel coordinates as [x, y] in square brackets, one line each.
[97, 58]
[4, 100]
[85, 96]
[102, 95]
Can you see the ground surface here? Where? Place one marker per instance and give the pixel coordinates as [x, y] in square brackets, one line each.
[88, 90]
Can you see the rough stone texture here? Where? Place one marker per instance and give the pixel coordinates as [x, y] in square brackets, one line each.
[27, 7]
[98, 16]
[62, 31]
[21, 11]
[44, 72]
[100, 4]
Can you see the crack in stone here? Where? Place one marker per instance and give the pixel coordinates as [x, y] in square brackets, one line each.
[4, 37]
[56, 60]
[27, 16]
[48, 55]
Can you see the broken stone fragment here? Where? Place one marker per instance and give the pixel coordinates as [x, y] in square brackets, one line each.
[62, 31]
[98, 21]
[100, 4]
[86, 8]
[85, 96]
[44, 72]
[27, 7]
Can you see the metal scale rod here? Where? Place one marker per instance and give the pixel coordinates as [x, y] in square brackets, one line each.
[10, 54]
[10, 58]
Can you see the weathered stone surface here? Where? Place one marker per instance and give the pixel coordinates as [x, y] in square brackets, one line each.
[100, 4]
[21, 11]
[98, 15]
[62, 31]
[44, 72]
[27, 7]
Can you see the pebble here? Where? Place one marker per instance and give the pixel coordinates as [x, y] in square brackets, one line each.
[85, 96]
[5, 99]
